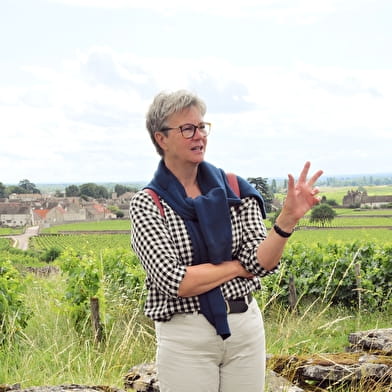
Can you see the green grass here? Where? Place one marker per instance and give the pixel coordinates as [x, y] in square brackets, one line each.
[111, 225]
[4, 243]
[368, 212]
[316, 328]
[52, 352]
[10, 231]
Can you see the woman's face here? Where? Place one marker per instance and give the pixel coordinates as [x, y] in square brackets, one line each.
[177, 149]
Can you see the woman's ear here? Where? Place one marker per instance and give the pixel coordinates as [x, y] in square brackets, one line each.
[161, 138]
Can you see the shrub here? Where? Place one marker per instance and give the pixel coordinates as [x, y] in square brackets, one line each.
[51, 254]
[322, 214]
[114, 276]
[14, 315]
[329, 273]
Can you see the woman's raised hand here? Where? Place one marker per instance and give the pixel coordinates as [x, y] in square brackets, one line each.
[301, 197]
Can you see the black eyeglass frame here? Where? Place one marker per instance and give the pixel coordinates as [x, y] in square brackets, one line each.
[204, 131]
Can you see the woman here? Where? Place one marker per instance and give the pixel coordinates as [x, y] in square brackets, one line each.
[204, 255]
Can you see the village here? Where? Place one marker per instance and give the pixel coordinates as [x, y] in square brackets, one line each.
[45, 210]
[35, 209]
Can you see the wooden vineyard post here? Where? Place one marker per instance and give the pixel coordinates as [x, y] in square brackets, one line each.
[95, 319]
[357, 268]
[292, 294]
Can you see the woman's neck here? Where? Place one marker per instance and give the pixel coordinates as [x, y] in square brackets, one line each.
[187, 176]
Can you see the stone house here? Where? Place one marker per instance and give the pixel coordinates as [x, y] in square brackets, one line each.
[52, 211]
[123, 201]
[72, 213]
[362, 200]
[59, 214]
[39, 216]
[126, 197]
[97, 212]
[375, 201]
[15, 214]
[25, 197]
[353, 198]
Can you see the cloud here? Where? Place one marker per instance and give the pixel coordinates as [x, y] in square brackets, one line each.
[227, 96]
[83, 119]
[348, 87]
[279, 11]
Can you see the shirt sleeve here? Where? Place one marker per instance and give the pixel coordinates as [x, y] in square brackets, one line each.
[253, 233]
[152, 243]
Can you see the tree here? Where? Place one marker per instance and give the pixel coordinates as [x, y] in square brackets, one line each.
[323, 214]
[93, 190]
[72, 191]
[58, 193]
[285, 184]
[15, 189]
[120, 189]
[274, 187]
[3, 192]
[274, 216]
[116, 211]
[28, 187]
[262, 187]
[103, 193]
[89, 189]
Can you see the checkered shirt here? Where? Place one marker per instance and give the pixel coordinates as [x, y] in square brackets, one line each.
[164, 248]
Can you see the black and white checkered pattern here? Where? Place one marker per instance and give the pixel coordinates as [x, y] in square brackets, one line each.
[164, 248]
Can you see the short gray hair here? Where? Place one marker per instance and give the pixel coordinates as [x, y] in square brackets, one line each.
[164, 105]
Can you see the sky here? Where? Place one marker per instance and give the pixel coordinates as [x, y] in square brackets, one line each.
[285, 81]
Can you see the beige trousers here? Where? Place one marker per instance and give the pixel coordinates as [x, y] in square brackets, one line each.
[191, 357]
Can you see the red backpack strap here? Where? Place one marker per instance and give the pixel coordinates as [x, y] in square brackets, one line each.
[155, 197]
[233, 182]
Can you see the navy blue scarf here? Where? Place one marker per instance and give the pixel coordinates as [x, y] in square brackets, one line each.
[207, 219]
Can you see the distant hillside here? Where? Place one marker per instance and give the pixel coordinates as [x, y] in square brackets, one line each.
[51, 188]
[352, 180]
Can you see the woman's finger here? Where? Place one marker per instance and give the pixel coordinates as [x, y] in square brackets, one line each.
[315, 191]
[315, 177]
[304, 172]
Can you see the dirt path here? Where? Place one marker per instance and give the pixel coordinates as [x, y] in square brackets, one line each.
[21, 241]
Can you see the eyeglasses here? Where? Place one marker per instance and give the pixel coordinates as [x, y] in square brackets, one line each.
[188, 130]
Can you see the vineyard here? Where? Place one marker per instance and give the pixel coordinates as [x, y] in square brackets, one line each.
[374, 235]
[109, 225]
[81, 242]
[324, 264]
[345, 218]
[358, 221]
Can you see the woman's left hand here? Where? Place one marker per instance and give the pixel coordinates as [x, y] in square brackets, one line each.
[301, 197]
